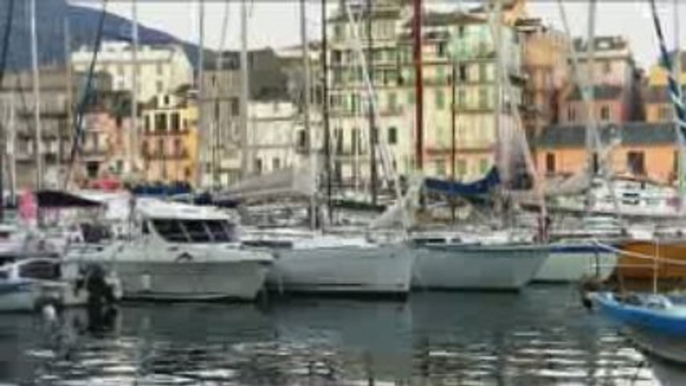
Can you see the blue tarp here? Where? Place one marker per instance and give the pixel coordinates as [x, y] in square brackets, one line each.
[477, 188]
[161, 190]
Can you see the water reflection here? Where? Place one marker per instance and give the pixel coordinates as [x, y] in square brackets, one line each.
[541, 336]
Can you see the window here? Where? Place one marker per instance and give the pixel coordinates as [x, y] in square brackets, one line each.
[338, 31]
[440, 100]
[605, 113]
[166, 100]
[483, 73]
[461, 167]
[392, 135]
[355, 140]
[160, 147]
[440, 167]
[636, 162]
[196, 230]
[440, 49]
[483, 98]
[170, 230]
[483, 165]
[461, 31]
[440, 74]
[235, 107]
[177, 147]
[276, 164]
[571, 114]
[40, 269]
[160, 122]
[258, 165]
[302, 139]
[175, 122]
[147, 123]
[550, 163]
[392, 101]
[221, 231]
[461, 97]
[462, 73]
[607, 67]
[664, 113]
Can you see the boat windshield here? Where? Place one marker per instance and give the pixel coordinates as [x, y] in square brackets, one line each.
[40, 269]
[195, 231]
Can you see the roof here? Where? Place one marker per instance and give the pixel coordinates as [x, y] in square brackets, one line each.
[631, 133]
[435, 19]
[377, 13]
[602, 43]
[600, 93]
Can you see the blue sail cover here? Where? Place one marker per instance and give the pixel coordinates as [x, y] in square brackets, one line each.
[480, 187]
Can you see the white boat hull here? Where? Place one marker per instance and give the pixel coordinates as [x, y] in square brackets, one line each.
[477, 267]
[182, 272]
[570, 262]
[18, 297]
[345, 269]
[191, 281]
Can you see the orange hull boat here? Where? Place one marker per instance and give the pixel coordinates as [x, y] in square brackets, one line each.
[638, 268]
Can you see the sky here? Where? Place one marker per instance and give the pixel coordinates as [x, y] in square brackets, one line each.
[276, 22]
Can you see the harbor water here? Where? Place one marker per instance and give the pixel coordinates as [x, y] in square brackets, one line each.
[540, 336]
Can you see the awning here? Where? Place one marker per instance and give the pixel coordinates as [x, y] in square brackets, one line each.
[58, 199]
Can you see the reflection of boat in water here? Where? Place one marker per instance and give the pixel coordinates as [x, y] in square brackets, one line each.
[653, 322]
[668, 374]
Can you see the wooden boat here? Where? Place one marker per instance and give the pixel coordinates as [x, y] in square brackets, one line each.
[641, 259]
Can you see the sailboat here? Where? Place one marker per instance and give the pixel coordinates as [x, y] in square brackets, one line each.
[649, 253]
[481, 257]
[312, 261]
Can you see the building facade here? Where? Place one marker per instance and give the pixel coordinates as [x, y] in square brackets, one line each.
[637, 149]
[169, 141]
[457, 42]
[57, 97]
[658, 105]
[161, 68]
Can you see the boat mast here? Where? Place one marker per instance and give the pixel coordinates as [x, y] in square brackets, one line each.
[133, 130]
[11, 159]
[418, 86]
[373, 177]
[246, 164]
[38, 147]
[591, 146]
[201, 95]
[325, 113]
[69, 85]
[453, 128]
[306, 108]
[677, 75]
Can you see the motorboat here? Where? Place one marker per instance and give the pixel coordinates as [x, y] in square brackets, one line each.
[653, 322]
[177, 251]
[29, 283]
[313, 262]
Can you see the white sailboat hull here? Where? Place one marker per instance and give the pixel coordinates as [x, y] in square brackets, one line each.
[477, 267]
[571, 262]
[344, 269]
[18, 298]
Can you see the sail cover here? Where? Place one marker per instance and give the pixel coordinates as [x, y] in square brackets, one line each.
[480, 187]
[291, 181]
